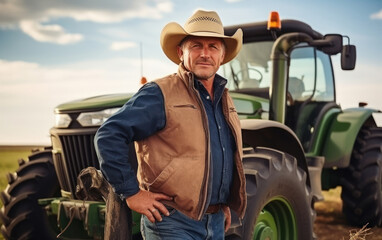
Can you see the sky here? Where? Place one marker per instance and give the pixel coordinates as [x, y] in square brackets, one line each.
[54, 51]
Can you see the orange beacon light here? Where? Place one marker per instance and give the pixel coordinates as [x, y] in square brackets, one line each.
[274, 22]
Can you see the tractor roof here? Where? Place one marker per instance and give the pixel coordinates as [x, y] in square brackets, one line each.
[258, 31]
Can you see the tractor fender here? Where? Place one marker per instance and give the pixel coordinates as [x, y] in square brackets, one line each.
[342, 134]
[272, 134]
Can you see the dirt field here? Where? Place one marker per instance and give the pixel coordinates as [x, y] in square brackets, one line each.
[331, 225]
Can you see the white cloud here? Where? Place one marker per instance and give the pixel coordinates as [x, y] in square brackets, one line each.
[11, 71]
[377, 15]
[48, 33]
[29, 91]
[102, 16]
[165, 6]
[119, 46]
[12, 12]
[30, 14]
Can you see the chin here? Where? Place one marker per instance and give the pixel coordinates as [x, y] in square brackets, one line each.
[204, 75]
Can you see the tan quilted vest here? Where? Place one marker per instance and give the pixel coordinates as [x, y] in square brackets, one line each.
[175, 161]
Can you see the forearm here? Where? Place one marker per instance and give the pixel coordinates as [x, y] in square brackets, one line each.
[139, 118]
[113, 155]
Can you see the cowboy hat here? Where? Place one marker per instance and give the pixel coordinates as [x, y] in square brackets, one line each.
[200, 24]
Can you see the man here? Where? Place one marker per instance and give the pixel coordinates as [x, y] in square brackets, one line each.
[187, 139]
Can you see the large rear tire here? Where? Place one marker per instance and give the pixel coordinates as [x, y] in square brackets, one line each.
[21, 215]
[280, 204]
[362, 180]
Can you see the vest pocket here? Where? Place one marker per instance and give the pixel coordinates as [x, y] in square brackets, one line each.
[163, 176]
[182, 177]
[185, 106]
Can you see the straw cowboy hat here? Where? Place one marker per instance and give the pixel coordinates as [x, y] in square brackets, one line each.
[200, 24]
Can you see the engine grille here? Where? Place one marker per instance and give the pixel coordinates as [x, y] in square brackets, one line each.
[79, 153]
[73, 151]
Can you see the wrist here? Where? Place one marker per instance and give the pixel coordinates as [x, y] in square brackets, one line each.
[125, 196]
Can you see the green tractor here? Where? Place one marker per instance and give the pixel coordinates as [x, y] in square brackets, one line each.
[298, 141]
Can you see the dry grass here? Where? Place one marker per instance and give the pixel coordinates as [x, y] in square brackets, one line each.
[360, 234]
[331, 224]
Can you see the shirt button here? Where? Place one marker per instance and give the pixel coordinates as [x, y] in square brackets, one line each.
[208, 97]
[219, 127]
[223, 149]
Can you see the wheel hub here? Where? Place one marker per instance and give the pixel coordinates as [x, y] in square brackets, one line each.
[276, 220]
[265, 227]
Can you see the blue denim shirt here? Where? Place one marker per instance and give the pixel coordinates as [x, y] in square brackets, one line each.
[142, 116]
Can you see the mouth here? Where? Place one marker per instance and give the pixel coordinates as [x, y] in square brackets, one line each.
[204, 63]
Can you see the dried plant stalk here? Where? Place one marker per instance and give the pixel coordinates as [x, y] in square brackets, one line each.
[360, 234]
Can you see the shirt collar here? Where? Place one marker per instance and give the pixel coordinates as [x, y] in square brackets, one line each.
[187, 76]
[219, 86]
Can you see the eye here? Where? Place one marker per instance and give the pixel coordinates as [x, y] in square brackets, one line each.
[195, 45]
[214, 46]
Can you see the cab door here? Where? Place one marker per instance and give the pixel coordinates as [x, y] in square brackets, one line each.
[310, 92]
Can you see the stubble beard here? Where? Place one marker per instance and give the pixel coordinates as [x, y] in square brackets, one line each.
[204, 77]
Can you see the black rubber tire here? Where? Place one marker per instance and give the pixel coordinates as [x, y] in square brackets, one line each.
[22, 217]
[271, 174]
[362, 180]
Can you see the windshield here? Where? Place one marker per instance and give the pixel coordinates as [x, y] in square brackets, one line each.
[310, 75]
[251, 68]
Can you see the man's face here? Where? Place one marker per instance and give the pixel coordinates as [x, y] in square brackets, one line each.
[202, 56]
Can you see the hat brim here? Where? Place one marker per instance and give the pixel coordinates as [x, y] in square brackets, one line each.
[172, 34]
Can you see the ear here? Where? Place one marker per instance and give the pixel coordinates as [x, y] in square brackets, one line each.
[179, 50]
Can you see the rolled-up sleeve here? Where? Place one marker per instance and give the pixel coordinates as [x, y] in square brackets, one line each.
[142, 116]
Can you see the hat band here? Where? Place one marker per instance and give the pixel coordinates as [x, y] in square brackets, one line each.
[204, 18]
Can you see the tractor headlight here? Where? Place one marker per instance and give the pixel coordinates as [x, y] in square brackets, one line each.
[62, 120]
[92, 119]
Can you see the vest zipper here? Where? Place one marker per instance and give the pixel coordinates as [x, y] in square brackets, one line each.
[228, 120]
[204, 191]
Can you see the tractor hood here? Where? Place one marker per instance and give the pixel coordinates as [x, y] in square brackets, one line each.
[94, 103]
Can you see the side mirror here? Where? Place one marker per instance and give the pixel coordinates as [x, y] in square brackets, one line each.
[331, 44]
[348, 57]
[334, 44]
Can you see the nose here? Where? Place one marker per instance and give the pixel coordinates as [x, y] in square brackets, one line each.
[205, 53]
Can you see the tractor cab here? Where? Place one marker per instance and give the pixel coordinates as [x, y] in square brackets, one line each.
[305, 88]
